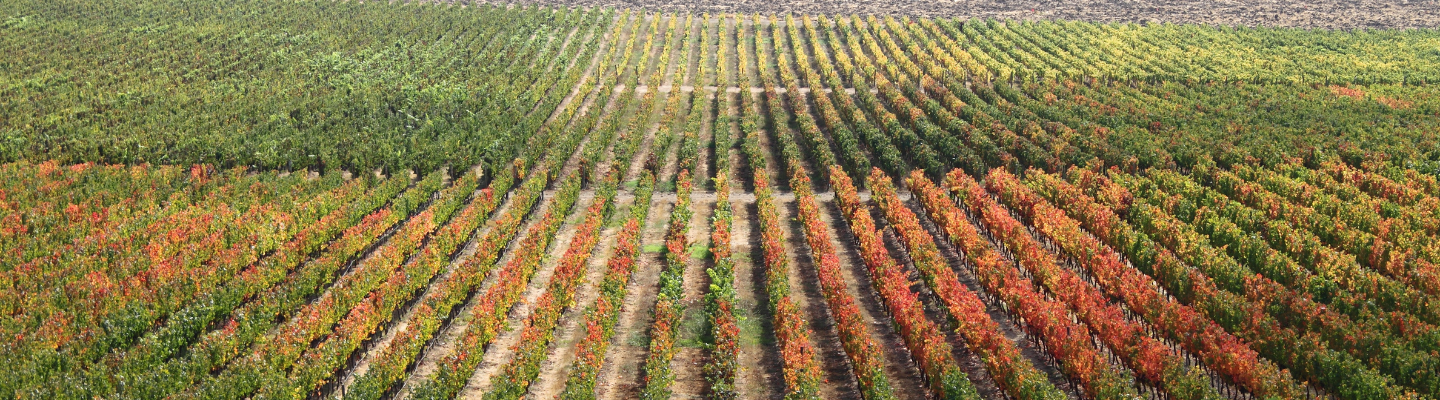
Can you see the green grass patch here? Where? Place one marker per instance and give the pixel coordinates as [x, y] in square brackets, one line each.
[752, 330]
[700, 251]
[694, 327]
[638, 338]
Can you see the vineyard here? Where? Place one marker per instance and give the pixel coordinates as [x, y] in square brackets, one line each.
[259, 199]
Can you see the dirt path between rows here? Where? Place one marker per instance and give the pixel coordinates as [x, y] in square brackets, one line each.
[759, 374]
[900, 368]
[959, 264]
[562, 351]
[554, 369]
[967, 359]
[690, 358]
[371, 349]
[445, 339]
[619, 379]
[500, 351]
[840, 383]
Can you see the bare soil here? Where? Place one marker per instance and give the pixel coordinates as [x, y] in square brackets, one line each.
[372, 348]
[899, 366]
[691, 357]
[500, 352]
[968, 360]
[554, 369]
[443, 343]
[961, 267]
[619, 379]
[840, 383]
[759, 375]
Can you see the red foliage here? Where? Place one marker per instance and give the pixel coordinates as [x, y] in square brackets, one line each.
[1068, 341]
[926, 342]
[864, 354]
[799, 364]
